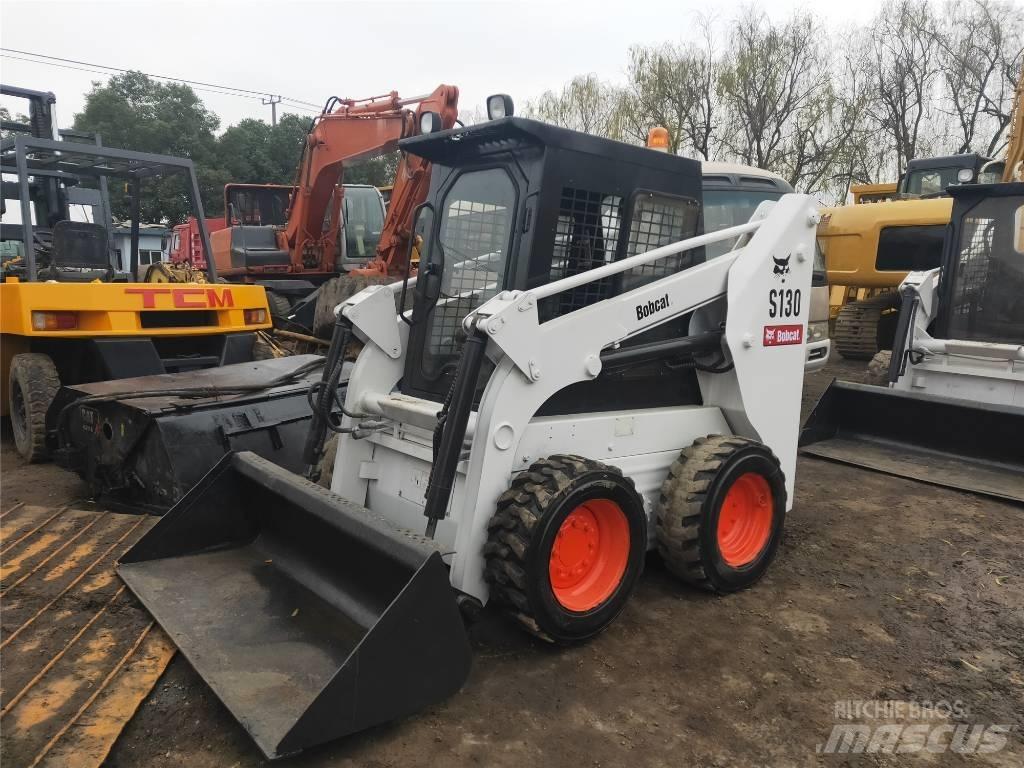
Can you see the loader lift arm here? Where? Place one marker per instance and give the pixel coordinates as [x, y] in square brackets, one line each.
[357, 130]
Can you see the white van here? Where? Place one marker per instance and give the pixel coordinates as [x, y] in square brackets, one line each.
[731, 195]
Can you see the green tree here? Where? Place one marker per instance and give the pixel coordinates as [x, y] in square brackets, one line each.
[378, 171]
[7, 117]
[132, 111]
[254, 152]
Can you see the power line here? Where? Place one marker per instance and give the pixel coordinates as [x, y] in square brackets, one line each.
[224, 90]
[100, 72]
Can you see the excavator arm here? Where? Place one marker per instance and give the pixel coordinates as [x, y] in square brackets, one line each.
[353, 131]
[1014, 167]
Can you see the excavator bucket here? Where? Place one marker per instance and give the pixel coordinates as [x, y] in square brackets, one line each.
[308, 616]
[954, 443]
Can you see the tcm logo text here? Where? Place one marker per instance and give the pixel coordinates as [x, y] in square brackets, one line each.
[185, 298]
[648, 309]
[781, 335]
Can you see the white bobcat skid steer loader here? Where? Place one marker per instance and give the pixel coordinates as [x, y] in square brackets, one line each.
[952, 412]
[544, 437]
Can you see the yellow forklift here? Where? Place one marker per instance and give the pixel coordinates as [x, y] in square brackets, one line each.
[71, 310]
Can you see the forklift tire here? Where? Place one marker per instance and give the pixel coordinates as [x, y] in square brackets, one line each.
[566, 547]
[721, 513]
[33, 385]
[280, 308]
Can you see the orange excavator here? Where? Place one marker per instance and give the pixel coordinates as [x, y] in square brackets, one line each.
[309, 247]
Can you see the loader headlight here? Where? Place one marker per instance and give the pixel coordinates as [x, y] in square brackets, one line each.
[430, 122]
[964, 175]
[499, 105]
[817, 331]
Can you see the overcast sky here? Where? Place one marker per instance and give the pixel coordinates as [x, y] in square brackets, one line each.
[312, 50]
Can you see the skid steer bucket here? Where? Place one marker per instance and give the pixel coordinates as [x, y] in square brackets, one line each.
[309, 617]
[954, 443]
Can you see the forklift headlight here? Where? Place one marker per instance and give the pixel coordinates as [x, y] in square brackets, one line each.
[430, 122]
[964, 175]
[255, 316]
[54, 321]
[499, 105]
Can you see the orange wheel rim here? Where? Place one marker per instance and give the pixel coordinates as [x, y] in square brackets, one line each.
[589, 555]
[745, 520]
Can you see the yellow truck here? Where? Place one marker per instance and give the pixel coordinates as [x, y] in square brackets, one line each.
[71, 313]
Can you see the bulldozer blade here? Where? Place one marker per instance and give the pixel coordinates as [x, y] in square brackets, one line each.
[310, 617]
[944, 441]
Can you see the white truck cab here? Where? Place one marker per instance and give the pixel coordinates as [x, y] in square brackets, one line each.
[732, 193]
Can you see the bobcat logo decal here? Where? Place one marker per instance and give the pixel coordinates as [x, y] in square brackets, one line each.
[781, 268]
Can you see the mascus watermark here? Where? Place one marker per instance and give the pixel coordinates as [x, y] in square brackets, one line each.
[930, 729]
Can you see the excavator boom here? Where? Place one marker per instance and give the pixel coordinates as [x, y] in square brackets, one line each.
[356, 131]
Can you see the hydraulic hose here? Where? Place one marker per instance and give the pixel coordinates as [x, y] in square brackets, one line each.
[324, 393]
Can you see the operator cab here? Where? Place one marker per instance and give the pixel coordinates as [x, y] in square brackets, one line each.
[930, 176]
[514, 204]
[982, 286]
[362, 221]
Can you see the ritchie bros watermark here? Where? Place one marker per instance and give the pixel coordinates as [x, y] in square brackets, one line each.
[894, 726]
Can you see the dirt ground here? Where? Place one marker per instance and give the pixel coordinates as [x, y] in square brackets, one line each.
[884, 590]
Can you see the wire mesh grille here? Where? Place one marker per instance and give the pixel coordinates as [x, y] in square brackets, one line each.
[657, 221]
[989, 279]
[975, 257]
[586, 236]
[475, 240]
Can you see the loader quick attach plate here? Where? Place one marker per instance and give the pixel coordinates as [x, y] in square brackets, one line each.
[310, 617]
[954, 443]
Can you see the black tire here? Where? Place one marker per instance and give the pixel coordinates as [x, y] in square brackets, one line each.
[690, 504]
[522, 533]
[335, 291]
[280, 308]
[33, 385]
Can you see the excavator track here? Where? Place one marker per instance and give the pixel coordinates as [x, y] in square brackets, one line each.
[79, 654]
[862, 328]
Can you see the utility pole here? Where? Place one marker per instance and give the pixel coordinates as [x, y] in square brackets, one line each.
[273, 101]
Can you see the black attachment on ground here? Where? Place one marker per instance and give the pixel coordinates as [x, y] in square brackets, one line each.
[449, 448]
[140, 443]
[945, 441]
[310, 617]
